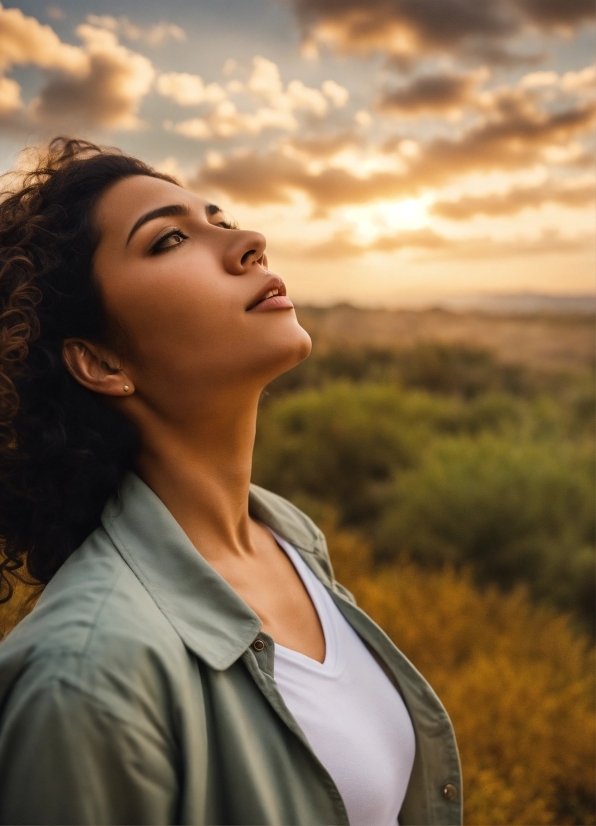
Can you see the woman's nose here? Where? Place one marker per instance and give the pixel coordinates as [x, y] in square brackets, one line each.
[246, 248]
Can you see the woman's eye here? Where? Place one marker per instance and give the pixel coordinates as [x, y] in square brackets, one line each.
[172, 239]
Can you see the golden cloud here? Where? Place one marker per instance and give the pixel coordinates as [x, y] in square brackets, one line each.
[189, 90]
[225, 121]
[10, 96]
[154, 35]
[107, 93]
[549, 242]
[23, 41]
[515, 200]
[341, 244]
[407, 29]
[255, 178]
[513, 134]
[321, 147]
[100, 83]
[431, 244]
[264, 85]
[439, 93]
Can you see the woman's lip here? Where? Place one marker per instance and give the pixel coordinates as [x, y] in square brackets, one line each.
[276, 302]
[273, 284]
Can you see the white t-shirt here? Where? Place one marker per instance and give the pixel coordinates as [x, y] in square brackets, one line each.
[353, 717]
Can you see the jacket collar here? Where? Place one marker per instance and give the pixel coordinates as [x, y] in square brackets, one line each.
[212, 620]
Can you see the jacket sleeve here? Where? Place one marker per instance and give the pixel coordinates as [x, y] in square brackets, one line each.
[66, 757]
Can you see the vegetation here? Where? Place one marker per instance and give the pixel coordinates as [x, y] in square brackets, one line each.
[516, 680]
[447, 456]
[457, 495]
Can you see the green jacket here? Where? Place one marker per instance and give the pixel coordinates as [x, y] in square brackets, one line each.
[133, 693]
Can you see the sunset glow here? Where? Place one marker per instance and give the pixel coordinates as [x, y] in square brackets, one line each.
[448, 159]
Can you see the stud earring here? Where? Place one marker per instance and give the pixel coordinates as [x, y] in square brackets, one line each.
[126, 388]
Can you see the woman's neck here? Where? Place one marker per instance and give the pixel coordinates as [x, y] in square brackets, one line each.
[200, 469]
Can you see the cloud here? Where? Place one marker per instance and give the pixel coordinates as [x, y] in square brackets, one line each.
[549, 242]
[99, 84]
[265, 82]
[514, 201]
[10, 96]
[264, 85]
[444, 92]
[322, 147]
[583, 80]
[341, 244]
[516, 139]
[337, 94]
[106, 93]
[55, 12]
[254, 178]
[189, 90]
[24, 41]
[553, 14]
[155, 35]
[225, 121]
[436, 246]
[407, 29]
[432, 244]
[513, 134]
[579, 82]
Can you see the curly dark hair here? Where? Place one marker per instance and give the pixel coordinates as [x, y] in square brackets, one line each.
[63, 449]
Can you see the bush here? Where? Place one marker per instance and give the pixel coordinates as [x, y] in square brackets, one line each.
[516, 511]
[344, 443]
[456, 369]
[504, 484]
[340, 445]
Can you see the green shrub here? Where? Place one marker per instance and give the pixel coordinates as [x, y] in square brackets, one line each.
[503, 484]
[517, 512]
[449, 369]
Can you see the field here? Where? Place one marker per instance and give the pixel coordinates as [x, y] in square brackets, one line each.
[547, 341]
[449, 458]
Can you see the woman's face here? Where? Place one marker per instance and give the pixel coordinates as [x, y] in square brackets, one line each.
[186, 288]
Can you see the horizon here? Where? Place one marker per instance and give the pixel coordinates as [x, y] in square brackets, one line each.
[514, 303]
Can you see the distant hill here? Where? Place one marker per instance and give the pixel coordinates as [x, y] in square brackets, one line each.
[523, 303]
[563, 339]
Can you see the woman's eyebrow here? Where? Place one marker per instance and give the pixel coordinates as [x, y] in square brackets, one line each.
[160, 212]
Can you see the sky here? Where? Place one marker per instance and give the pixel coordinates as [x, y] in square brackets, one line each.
[393, 152]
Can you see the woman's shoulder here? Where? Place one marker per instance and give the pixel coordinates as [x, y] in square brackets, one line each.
[94, 629]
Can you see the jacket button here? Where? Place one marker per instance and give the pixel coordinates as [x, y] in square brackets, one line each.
[449, 791]
[258, 645]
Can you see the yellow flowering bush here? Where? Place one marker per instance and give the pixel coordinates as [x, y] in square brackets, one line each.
[517, 682]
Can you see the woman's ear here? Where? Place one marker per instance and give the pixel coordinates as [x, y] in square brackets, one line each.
[95, 367]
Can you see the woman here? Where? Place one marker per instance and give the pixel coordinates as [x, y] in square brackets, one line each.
[191, 659]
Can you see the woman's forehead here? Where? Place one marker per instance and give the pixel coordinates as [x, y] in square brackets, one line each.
[131, 197]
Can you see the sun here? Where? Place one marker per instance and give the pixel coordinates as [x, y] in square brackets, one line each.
[387, 218]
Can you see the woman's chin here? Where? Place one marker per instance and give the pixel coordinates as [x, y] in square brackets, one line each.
[303, 344]
[289, 350]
